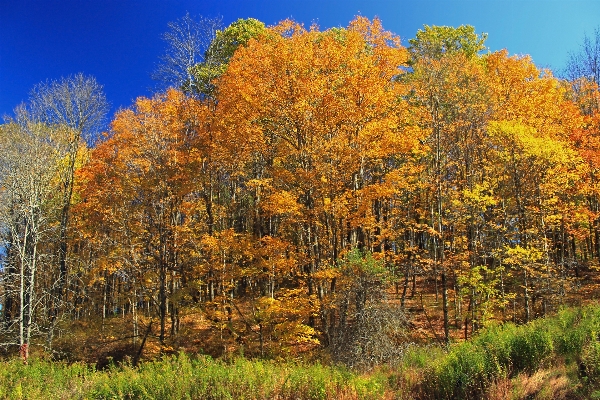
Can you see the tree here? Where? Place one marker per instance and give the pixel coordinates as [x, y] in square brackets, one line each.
[139, 187]
[366, 329]
[585, 95]
[79, 104]
[535, 200]
[220, 51]
[188, 41]
[435, 42]
[319, 122]
[310, 169]
[586, 62]
[29, 168]
[449, 95]
[77, 101]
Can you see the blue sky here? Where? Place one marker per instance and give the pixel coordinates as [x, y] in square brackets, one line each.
[119, 41]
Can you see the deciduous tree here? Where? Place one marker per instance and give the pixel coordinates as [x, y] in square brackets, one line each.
[29, 169]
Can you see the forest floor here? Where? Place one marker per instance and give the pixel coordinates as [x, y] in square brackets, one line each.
[112, 340]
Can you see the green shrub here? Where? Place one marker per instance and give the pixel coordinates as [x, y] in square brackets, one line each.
[184, 378]
[530, 347]
[574, 328]
[590, 362]
[470, 368]
[417, 357]
[497, 341]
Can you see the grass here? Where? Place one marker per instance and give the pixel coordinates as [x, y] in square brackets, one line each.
[559, 356]
[184, 377]
[552, 358]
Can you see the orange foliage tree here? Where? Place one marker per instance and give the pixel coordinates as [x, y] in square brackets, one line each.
[138, 200]
[440, 161]
[320, 119]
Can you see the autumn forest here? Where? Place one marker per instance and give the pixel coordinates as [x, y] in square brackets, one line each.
[301, 191]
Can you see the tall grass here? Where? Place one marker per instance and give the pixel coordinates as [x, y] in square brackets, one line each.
[44, 380]
[469, 369]
[183, 377]
[466, 370]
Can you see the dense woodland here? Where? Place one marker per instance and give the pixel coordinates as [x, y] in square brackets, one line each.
[294, 188]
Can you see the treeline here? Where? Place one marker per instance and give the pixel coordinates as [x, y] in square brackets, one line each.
[293, 178]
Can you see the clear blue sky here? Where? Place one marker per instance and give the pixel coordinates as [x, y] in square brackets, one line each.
[119, 41]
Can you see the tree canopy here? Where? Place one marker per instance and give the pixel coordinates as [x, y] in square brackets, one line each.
[306, 178]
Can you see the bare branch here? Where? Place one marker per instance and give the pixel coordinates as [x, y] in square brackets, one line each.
[586, 62]
[76, 101]
[187, 40]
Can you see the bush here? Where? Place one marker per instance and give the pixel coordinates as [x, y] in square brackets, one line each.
[365, 329]
[470, 368]
[530, 348]
[590, 362]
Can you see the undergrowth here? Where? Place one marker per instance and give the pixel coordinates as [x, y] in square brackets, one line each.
[557, 357]
[510, 353]
[185, 377]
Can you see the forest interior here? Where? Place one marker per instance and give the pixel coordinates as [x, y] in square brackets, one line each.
[310, 199]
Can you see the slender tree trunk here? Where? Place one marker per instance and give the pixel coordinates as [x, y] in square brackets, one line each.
[526, 296]
[162, 295]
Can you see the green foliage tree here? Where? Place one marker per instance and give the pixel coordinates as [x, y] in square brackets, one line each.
[439, 41]
[220, 51]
